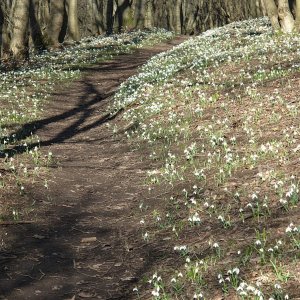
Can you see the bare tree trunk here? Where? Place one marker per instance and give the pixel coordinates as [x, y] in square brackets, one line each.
[46, 12]
[35, 28]
[149, 14]
[285, 16]
[57, 10]
[297, 21]
[139, 14]
[73, 20]
[100, 16]
[272, 12]
[263, 7]
[2, 24]
[177, 16]
[122, 14]
[7, 9]
[19, 42]
[109, 14]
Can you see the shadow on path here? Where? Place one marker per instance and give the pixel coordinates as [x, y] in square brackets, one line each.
[93, 194]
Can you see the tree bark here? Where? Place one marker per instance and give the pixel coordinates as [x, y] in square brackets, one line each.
[7, 10]
[177, 16]
[286, 18]
[272, 12]
[19, 42]
[35, 28]
[73, 27]
[109, 13]
[57, 9]
[139, 14]
[2, 24]
[297, 12]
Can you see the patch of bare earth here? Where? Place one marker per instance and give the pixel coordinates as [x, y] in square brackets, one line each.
[84, 241]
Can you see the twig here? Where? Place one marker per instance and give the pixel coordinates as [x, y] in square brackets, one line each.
[7, 223]
[43, 274]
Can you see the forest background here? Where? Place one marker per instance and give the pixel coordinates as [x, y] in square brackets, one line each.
[46, 24]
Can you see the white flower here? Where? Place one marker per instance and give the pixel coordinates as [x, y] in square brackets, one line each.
[155, 292]
[289, 228]
[277, 286]
[283, 201]
[215, 245]
[195, 218]
[221, 218]
[254, 196]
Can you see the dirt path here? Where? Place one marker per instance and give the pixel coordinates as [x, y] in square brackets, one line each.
[94, 193]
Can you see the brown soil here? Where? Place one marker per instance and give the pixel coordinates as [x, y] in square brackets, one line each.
[93, 194]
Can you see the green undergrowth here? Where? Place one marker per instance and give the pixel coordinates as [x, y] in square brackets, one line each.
[24, 93]
[220, 114]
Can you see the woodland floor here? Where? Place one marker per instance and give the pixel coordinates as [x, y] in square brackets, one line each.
[94, 191]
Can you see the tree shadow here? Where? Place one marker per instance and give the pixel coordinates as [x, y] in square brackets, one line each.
[83, 109]
[41, 256]
[81, 112]
[53, 247]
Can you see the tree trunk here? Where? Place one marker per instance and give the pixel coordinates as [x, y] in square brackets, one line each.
[149, 14]
[263, 7]
[297, 21]
[99, 14]
[109, 13]
[139, 14]
[2, 24]
[46, 12]
[6, 8]
[35, 28]
[73, 28]
[57, 9]
[122, 15]
[19, 42]
[177, 16]
[285, 16]
[272, 12]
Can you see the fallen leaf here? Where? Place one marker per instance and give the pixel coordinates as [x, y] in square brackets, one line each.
[89, 239]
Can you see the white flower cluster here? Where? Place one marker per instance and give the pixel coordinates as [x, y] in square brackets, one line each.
[195, 219]
[292, 229]
[247, 290]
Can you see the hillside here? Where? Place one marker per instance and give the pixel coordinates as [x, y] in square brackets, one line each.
[219, 118]
[152, 166]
